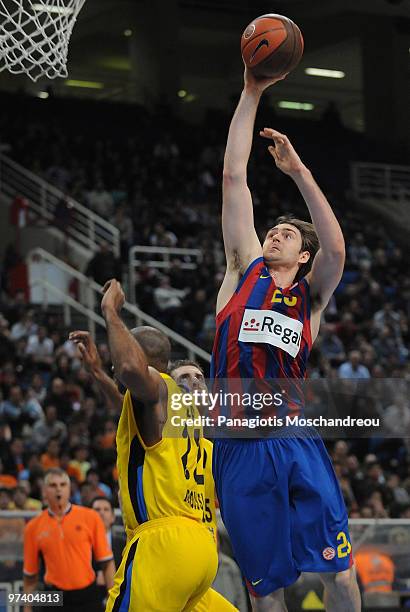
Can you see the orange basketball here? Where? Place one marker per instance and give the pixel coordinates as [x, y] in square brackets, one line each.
[272, 45]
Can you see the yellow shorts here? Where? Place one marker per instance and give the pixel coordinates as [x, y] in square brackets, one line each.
[213, 601]
[167, 566]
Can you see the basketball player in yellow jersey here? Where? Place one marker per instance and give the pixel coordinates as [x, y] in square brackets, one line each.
[170, 559]
[190, 377]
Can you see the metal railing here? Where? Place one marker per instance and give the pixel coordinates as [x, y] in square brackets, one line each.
[85, 230]
[189, 258]
[381, 182]
[161, 258]
[89, 297]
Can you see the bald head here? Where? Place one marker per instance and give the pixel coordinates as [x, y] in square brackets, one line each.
[156, 346]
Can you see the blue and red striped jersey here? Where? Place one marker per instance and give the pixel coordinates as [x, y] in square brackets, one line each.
[263, 332]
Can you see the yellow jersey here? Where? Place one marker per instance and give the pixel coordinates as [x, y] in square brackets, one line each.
[171, 478]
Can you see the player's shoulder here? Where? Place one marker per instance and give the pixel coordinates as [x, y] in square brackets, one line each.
[233, 282]
[163, 382]
[168, 383]
[254, 264]
[302, 285]
[311, 292]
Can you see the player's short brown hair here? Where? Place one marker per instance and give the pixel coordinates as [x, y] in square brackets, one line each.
[310, 241]
[180, 363]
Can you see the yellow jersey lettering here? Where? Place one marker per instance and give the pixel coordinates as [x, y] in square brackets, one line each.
[195, 500]
[278, 298]
[181, 467]
[207, 514]
[345, 547]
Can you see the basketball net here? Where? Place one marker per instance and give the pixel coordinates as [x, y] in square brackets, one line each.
[34, 36]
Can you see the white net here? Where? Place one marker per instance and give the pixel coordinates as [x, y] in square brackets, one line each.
[34, 36]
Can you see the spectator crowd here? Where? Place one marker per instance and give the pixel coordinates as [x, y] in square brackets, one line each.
[159, 183]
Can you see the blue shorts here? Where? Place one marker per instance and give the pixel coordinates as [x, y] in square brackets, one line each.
[283, 508]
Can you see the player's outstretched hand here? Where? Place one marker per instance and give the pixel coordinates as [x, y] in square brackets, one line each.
[114, 297]
[259, 84]
[285, 156]
[87, 349]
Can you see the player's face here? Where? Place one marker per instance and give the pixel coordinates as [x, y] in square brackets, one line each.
[57, 492]
[105, 511]
[283, 244]
[189, 377]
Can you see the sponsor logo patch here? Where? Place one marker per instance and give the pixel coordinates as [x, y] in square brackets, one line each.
[249, 31]
[329, 553]
[263, 43]
[270, 327]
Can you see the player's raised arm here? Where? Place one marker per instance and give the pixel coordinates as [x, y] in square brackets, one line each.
[240, 239]
[128, 358]
[328, 264]
[92, 362]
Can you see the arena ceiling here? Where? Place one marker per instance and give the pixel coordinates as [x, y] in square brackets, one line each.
[209, 30]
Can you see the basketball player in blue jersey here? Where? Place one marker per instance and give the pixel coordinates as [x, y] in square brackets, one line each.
[279, 496]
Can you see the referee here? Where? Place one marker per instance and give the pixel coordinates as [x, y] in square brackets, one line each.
[67, 537]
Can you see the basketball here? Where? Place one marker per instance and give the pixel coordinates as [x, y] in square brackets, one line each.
[271, 46]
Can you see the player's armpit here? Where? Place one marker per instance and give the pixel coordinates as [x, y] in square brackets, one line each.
[150, 418]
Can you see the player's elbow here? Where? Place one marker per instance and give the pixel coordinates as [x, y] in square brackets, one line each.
[127, 373]
[336, 252]
[233, 175]
[339, 253]
[139, 383]
[334, 263]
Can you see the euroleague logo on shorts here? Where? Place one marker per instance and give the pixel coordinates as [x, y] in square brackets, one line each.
[249, 31]
[329, 553]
